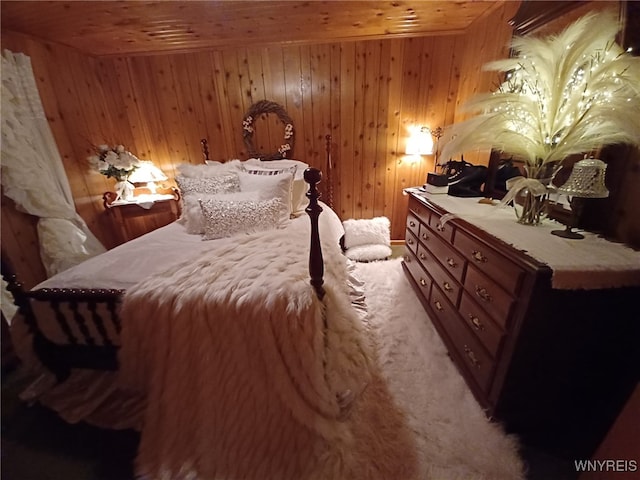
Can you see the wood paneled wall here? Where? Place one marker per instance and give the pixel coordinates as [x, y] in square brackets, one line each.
[364, 93]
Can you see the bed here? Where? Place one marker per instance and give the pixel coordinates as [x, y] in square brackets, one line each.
[80, 305]
[227, 339]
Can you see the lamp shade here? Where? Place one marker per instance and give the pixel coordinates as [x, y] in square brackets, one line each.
[420, 142]
[147, 172]
[586, 180]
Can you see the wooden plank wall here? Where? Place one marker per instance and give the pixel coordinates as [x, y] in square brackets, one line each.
[364, 93]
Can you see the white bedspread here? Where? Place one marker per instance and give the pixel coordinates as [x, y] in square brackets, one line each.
[246, 373]
[124, 266]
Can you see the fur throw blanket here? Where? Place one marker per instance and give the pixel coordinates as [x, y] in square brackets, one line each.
[246, 374]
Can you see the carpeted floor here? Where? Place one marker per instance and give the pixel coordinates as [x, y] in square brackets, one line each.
[36, 444]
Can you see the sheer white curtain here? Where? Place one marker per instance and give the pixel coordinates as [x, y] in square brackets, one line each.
[32, 172]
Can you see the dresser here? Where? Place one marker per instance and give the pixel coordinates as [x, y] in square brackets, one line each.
[554, 365]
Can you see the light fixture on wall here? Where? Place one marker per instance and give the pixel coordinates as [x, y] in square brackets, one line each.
[586, 181]
[148, 174]
[420, 141]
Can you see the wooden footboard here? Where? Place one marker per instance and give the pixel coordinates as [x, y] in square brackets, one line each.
[87, 319]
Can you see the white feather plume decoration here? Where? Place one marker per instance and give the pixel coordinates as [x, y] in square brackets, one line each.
[564, 94]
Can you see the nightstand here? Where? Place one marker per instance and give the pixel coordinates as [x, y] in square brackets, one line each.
[143, 213]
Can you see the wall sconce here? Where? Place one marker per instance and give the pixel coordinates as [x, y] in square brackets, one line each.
[586, 181]
[147, 173]
[420, 141]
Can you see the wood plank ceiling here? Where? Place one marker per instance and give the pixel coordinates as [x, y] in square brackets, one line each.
[107, 28]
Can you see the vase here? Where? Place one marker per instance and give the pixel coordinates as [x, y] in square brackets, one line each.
[532, 209]
[530, 194]
[124, 190]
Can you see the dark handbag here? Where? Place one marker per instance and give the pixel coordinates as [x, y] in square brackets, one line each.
[506, 170]
[465, 179]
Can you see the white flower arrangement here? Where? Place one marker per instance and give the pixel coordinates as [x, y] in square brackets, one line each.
[247, 124]
[564, 94]
[288, 131]
[114, 162]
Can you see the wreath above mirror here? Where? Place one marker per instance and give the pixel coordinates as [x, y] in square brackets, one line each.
[248, 128]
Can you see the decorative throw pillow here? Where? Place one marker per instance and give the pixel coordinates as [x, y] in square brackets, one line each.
[270, 186]
[224, 218]
[368, 253]
[223, 182]
[299, 200]
[192, 211]
[191, 188]
[210, 169]
[374, 231]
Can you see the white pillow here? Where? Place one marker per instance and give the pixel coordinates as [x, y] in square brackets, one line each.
[192, 211]
[223, 218]
[299, 200]
[278, 164]
[223, 182]
[368, 253]
[210, 169]
[374, 231]
[270, 186]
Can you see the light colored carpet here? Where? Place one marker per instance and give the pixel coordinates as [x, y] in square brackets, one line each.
[454, 439]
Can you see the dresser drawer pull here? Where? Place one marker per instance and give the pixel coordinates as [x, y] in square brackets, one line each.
[440, 227]
[425, 236]
[483, 294]
[477, 324]
[478, 256]
[407, 259]
[472, 356]
[423, 282]
[422, 256]
[412, 223]
[447, 287]
[451, 262]
[438, 305]
[409, 241]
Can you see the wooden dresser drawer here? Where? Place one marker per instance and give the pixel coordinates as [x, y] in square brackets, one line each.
[445, 231]
[481, 324]
[468, 348]
[491, 297]
[417, 272]
[451, 260]
[449, 286]
[426, 236]
[492, 263]
[420, 211]
[411, 241]
[413, 224]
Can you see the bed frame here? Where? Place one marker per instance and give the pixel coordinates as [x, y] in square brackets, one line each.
[94, 312]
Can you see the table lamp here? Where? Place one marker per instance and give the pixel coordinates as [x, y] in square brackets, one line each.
[586, 181]
[147, 173]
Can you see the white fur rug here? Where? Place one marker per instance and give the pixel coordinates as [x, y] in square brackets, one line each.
[454, 438]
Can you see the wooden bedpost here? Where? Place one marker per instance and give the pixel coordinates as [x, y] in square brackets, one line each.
[205, 149]
[316, 263]
[329, 171]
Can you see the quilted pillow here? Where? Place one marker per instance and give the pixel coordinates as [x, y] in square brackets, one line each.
[192, 211]
[268, 187]
[223, 182]
[224, 218]
[192, 188]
